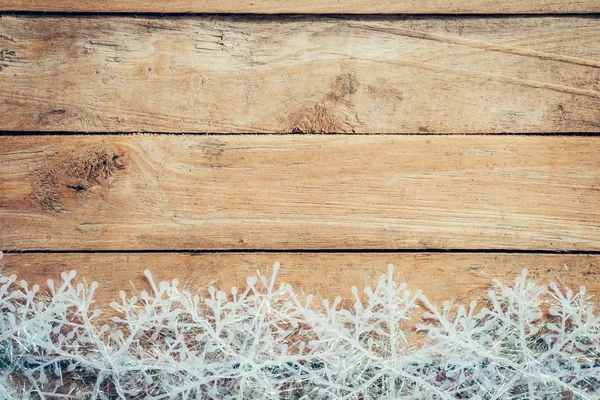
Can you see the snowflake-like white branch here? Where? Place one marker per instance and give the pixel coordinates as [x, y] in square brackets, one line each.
[267, 341]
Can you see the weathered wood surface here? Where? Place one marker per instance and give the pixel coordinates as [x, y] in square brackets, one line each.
[306, 74]
[308, 6]
[450, 276]
[299, 192]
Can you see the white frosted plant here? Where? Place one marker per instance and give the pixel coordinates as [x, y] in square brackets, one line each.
[268, 341]
[45, 336]
[512, 349]
[363, 350]
[186, 346]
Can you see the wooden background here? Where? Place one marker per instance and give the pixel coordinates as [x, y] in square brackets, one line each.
[455, 139]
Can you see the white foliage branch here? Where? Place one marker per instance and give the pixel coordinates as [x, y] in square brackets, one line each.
[266, 341]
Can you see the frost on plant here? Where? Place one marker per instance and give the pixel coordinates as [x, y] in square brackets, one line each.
[267, 341]
[511, 349]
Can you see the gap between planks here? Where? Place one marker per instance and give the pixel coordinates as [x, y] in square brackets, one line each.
[217, 135]
[311, 251]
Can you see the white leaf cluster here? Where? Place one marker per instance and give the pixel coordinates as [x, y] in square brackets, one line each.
[267, 341]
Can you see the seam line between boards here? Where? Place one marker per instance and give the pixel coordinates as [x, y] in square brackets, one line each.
[313, 251]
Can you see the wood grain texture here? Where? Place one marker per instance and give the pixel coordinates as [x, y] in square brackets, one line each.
[450, 276]
[286, 192]
[300, 74]
[307, 6]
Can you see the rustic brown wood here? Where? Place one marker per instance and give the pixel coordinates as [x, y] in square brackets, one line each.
[306, 74]
[307, 6]
[299, 192]
[450, 276]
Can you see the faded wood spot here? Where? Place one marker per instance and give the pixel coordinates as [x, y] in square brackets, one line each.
[343, 87]
[213, 147]
[6, 57]
[81, 174]
[317, 119]
[335, 113]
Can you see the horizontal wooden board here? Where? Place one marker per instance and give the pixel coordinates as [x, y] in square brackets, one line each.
[286, 192]
[300, 74]
[307, 6]
[442, 277]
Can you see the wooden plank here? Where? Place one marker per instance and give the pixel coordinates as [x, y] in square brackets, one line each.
[442, 276]
[299, 192]
[364, 75]
[307, 6]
